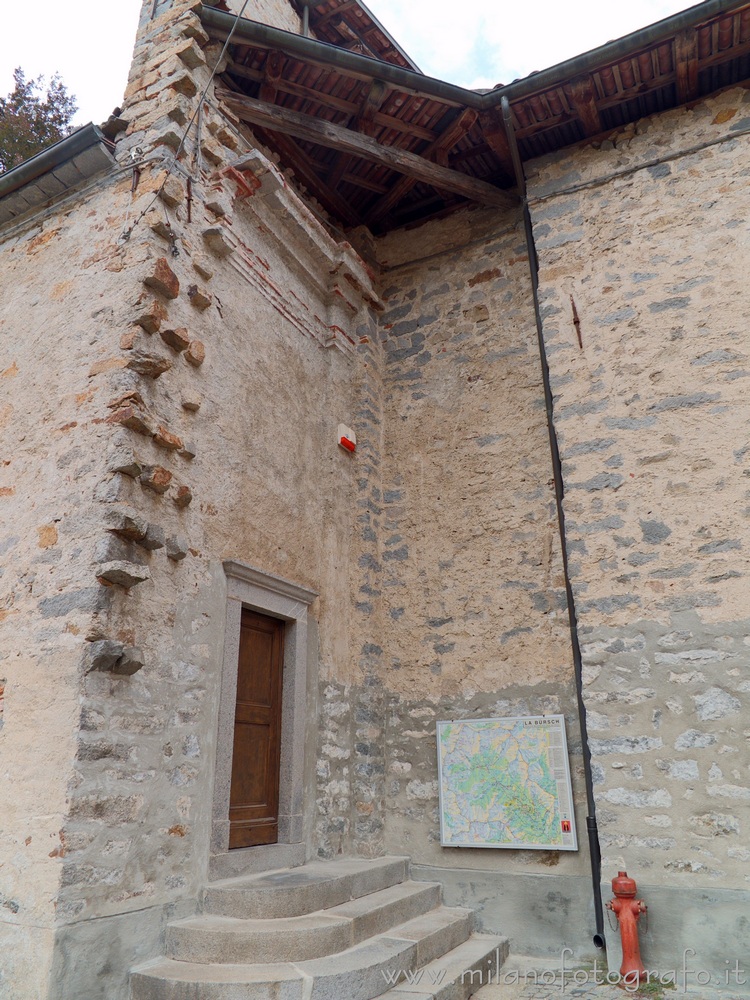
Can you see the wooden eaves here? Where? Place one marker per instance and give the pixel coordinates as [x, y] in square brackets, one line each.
[380, 144]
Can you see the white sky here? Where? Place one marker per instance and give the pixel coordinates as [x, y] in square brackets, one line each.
[475, 43]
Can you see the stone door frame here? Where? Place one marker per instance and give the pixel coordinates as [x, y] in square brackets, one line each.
[278, 598]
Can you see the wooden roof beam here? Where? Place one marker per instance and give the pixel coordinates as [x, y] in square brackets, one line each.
[371, 100]
[331, 101]
[325, 133]
[274, 70]
[495, 136]
[686, 65]
[369, 105]
[319, 22]
[583, 97]
[354, 39]
[441, 145]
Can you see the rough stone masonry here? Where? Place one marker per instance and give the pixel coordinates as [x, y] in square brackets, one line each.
[647, 235]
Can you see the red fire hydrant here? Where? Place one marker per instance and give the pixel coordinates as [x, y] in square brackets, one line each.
[628, 909]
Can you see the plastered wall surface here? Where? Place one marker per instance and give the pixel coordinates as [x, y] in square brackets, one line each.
[185, 412]
[51, 469]
[652, 417]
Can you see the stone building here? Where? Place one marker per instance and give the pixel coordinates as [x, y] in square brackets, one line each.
[288, 234]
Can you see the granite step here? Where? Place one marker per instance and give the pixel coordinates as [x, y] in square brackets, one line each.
[217, 938]
[381, 966]
[293, 892]
[343, 930]
[456, 975]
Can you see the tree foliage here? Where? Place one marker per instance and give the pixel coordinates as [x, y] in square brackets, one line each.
[32, 117]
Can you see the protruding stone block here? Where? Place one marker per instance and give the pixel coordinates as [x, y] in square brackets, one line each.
[191, 55]
[191, 403]
[184, 84]
[177, 547]
[225, 135]
[195, 354]
[152, 316]
[113, 489]
[103, 655]
[217, 205]
[189, 450]
[163, 279]
[127, 523]
[165, 439]
[154, 538]
[132, 418]
[178, 339]
[192, 28]
[203, 267]
[123, 574]
[213, 151]
[199, 298]
[183, 497]
[122, 459]
[130, 662]
[156, 478]
[217, 242]
[149, 365]
[158, 224]
[173, 192]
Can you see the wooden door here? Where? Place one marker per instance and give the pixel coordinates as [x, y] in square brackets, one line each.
[254, 795]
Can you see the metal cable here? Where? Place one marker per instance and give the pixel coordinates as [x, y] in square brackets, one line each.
[127, 233]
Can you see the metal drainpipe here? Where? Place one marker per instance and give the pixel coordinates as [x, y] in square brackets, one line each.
[593, 834]
[305, 18]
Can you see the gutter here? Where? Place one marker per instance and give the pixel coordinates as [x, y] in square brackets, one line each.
[264, 36]
[591, 825]
[53, 156]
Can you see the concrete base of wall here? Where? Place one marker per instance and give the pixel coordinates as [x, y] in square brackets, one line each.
[689, 929]
[93, 958]
[541, 914]
[25, 956]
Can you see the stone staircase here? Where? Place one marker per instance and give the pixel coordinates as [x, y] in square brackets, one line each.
[334, 930]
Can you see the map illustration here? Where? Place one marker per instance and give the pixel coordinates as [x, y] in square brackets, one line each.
[505, 783]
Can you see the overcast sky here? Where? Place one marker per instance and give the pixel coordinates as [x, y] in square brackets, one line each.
[475, 43]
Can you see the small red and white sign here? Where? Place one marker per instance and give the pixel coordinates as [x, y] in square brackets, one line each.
[347, 438]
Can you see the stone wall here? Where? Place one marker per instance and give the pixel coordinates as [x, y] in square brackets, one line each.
[647, 235]
[173, 401]
[49, 596]
[178, 350]
[472, 580]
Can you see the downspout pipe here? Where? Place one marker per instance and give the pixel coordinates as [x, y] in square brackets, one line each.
[305, 19]
[591, 826]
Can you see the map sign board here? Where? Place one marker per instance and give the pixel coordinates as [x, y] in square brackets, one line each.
[506, 783]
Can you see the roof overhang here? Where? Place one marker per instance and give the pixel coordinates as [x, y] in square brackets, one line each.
[349, 24]
[352, 126]
[58, 169]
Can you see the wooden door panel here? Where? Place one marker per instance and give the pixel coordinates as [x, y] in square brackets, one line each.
[250, 764]
[254, 793]
[255, 675]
